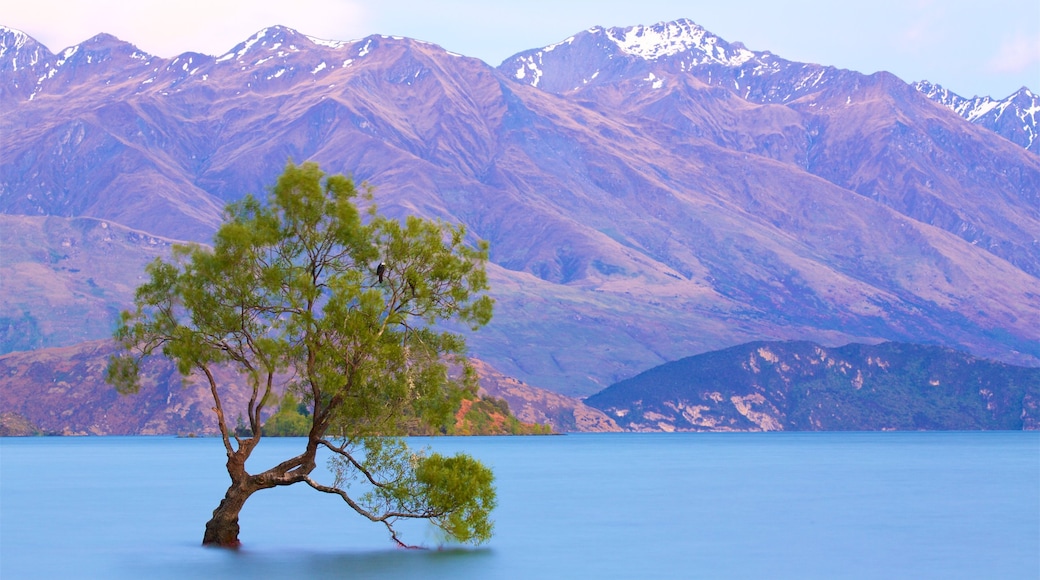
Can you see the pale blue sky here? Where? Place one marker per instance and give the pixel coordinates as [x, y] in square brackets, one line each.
[973, 48]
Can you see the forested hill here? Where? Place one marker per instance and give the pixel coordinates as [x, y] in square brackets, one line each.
[802, 386]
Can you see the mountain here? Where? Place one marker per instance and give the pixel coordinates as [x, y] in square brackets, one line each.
[66, 279]
[1015, 118]
[605, 55]
[62, 391]
[691, 195]
[802, 386]
[868, 134]
[539, 406]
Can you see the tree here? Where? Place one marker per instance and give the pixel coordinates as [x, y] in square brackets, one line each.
[307, 294]
[291, 420]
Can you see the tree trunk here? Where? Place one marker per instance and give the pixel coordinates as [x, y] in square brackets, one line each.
[222, 528]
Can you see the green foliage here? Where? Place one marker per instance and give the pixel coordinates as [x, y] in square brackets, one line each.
[291, 420]
[291, 288]
[456, 494]
[498, 405]
[461, 488]
[492, 416]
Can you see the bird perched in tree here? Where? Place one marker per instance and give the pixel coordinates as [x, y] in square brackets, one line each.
[380, 270]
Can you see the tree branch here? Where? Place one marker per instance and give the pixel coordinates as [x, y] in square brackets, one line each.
[218, 408]
[386, 518]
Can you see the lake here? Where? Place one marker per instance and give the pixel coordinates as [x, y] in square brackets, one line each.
[714, 505]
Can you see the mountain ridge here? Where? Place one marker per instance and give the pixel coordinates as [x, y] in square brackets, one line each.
[1023, 101]
[1015, 117]
[688, 46]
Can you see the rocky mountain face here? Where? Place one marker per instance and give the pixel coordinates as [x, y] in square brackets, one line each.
[802, 386]
[647, 192]
[62, 391]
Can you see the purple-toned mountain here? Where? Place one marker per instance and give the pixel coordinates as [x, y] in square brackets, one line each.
[65, 280]
[605, 55]
[1016, 118]
[633, 221]
[874, 135]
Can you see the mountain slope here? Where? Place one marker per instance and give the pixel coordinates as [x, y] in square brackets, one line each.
[728, 198]
[801, 386]
[66, 279]
[63, 391]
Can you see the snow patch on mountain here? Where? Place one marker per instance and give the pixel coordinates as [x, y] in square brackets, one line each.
[553, 47]
[671, 38]
[655, 82]
[365, 49]
[11, 40]
[528, 64]
[335, 44]
[271, 39]
[66, 55]
[244, 47]
[681, 43]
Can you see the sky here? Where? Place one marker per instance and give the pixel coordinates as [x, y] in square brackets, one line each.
[989, 48]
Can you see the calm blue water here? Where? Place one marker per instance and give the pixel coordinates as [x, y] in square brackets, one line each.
[764, 505]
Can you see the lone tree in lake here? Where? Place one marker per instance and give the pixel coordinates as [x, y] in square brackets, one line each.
[289, 296]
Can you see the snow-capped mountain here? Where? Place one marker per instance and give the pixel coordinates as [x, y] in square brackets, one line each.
[605, 55]
[264, 61]
[32, 66]
[657, 192]
[1016, 118]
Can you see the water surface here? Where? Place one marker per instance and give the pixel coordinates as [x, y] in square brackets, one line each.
[740, 505]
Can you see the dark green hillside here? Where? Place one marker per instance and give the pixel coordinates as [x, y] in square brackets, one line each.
[802, 386]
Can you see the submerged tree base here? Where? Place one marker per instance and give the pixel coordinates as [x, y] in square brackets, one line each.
[222, 529]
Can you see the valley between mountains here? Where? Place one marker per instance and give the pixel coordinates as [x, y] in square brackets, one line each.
[649, 193]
